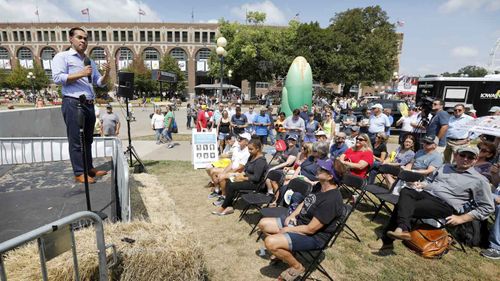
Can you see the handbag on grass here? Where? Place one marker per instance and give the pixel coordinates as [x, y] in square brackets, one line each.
[429, 243]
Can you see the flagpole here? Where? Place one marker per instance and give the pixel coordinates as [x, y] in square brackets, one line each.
[88, 14]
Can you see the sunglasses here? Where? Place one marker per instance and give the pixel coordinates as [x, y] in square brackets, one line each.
[467, 156]
[485, 150]
[360, 139]
[458, 110]
[436, 103]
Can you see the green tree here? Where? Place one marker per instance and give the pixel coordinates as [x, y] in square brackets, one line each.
[314, 43]
[3, 78]
[473, 71]
[364, 46]
[143, 83]
[42, 80]
[17, 77]
[169, 64]
[256, 17]
[468, 71]
[255, 53]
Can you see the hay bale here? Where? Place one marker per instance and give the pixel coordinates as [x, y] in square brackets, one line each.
[160, 252]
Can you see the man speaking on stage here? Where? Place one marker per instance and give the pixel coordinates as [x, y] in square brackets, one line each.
[77, 74]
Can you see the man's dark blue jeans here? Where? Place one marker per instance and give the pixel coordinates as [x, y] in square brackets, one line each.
[70, 114]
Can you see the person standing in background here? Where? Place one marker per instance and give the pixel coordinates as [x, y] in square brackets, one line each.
[110, 123]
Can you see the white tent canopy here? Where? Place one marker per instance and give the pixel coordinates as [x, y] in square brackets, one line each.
[216, 87]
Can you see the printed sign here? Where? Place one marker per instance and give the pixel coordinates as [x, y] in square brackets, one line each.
[204, 148]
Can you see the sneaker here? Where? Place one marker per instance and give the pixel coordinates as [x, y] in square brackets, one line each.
[170, 146]
[213, 195]
[219, 201]
[491, 253]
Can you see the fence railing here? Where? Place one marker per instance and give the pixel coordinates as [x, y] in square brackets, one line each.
[58, 237]
[48, 149]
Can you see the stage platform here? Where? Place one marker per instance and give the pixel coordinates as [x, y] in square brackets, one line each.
[32, 195]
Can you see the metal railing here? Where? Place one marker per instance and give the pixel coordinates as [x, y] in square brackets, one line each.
[48, 149]
[58, 237]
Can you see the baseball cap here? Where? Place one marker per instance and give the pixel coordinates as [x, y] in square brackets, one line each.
[355, 128]
[246, 136]
[430, 139]
[291, 137]
[471, 149]
[203, 106]
[310, 114]
[377, 105]
[108, 106]
[494, 109]
[320, 133]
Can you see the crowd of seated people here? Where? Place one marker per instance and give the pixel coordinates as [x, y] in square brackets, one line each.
[446, 193]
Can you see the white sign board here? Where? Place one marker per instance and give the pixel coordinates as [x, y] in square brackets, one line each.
[182, 65]
[204, 148]
[489, 125]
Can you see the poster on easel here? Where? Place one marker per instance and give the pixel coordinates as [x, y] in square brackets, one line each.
[204, 148]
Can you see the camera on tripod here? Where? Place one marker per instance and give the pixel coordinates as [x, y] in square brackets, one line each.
[425, 105]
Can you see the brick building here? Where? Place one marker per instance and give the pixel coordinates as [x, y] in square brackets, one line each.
[189, 43]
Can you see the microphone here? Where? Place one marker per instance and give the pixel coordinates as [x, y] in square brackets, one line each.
[86, 62]
[81, 117]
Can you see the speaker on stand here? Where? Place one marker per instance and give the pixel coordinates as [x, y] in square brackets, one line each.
[126, 90]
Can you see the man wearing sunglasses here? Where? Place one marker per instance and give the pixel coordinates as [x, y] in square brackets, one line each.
[439, 124]
[446, 194]
[457, 134]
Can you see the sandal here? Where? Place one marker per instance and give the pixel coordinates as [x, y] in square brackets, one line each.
[291, 274]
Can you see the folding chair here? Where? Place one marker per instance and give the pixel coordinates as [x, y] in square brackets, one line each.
[296, 185]
[384, 198]
[377, 189]
[356, 184]
[316, 254]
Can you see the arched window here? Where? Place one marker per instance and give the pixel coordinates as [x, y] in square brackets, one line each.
[181, 57]
[125, 57]
[98, 55]
[46, 57]
[4, 59]
[25, 57]
[202, 57]
[151, 58]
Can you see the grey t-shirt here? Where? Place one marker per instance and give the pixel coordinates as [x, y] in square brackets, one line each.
[424, 160]
[109, 123]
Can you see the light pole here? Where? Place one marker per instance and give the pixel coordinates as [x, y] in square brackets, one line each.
[32, 77]
[221, 52]
[395, 77]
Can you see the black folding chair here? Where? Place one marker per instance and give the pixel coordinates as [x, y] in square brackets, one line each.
[296, 185]
[385, 198]
[315, 255]
[355, 185]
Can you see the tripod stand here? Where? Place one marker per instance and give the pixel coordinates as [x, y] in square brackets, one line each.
[83, 144]
[132, 154]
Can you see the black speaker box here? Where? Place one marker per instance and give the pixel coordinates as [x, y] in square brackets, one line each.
[125, 84]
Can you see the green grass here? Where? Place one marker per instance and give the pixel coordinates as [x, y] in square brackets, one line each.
[231, 252]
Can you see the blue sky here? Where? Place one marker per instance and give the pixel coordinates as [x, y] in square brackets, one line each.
[440, 35]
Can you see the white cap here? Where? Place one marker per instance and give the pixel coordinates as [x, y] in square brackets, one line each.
[320, 133]
[377, 105]
[246, 136]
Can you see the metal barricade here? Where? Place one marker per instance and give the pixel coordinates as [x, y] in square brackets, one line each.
[49, 149]
[58, 237]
